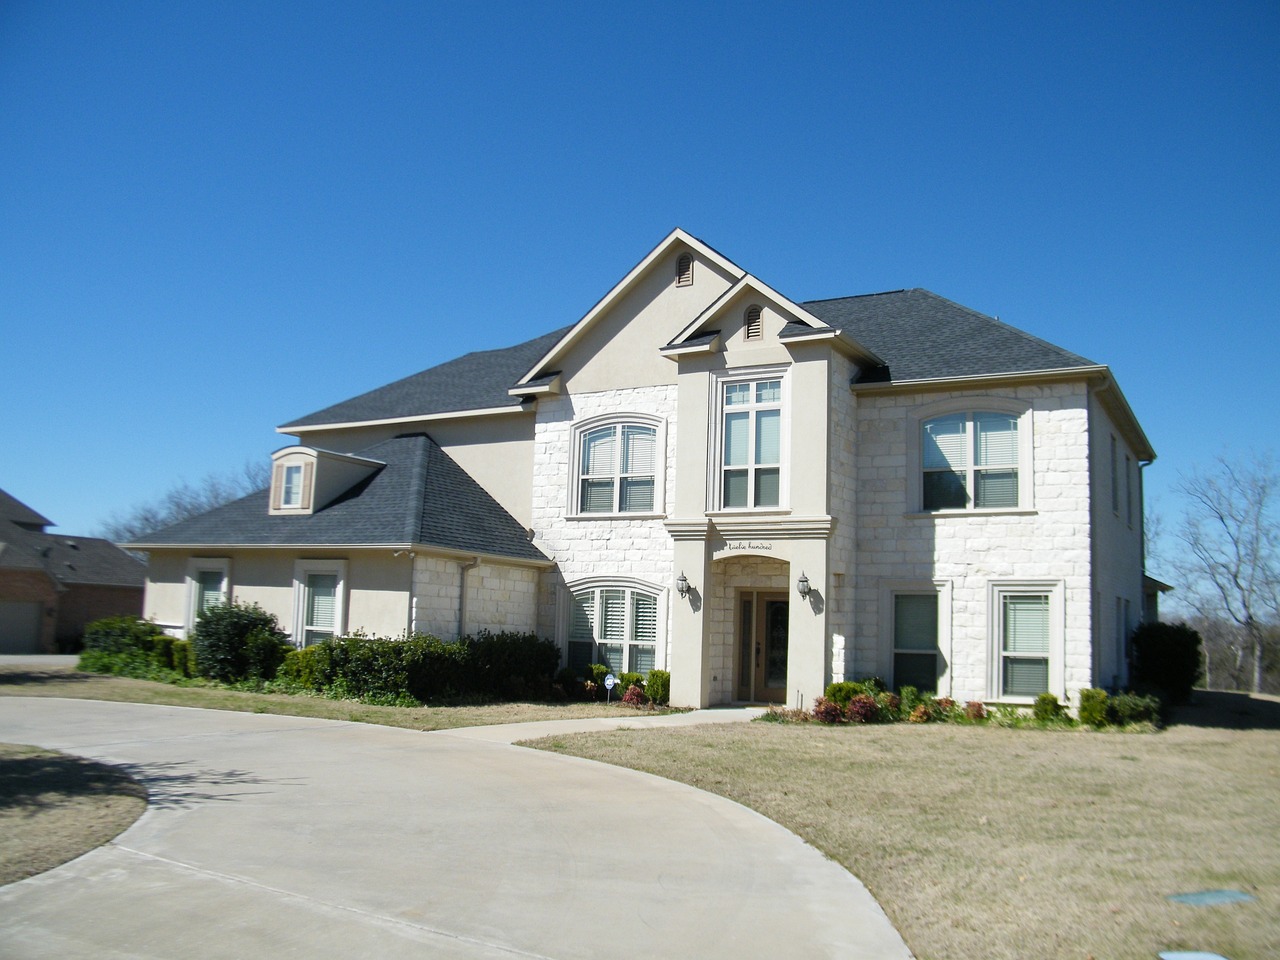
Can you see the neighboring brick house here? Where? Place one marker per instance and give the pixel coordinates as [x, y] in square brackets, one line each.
[51, 585]
[758, 494]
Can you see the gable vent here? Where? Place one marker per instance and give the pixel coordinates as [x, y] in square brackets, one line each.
[684, 270]
[752, 327]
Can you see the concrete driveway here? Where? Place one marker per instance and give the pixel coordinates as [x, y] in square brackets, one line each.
[288, 837]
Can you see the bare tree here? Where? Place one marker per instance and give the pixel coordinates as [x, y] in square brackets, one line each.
[1231, 566]
[185, 500]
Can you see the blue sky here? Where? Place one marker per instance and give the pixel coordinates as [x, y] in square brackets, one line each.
[217, 217]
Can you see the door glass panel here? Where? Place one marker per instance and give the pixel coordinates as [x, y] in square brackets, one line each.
[777, 614]
[746, 648]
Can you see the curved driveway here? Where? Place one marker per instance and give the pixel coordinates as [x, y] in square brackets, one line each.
[289, 837]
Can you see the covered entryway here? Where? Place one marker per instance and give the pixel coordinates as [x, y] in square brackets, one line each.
[20, 626]
[763, 630]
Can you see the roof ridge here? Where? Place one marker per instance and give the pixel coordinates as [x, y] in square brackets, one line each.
[859, 296]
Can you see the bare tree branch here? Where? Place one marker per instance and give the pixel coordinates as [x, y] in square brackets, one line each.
[185, 500]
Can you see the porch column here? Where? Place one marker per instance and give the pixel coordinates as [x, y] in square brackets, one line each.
[809, 648]
[690, 651]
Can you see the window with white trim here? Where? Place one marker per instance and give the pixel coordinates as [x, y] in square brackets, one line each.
[971, 460]
[613, 625]
[751, 444]
[291, 495]
[1024, 633]
[291, 483]
[208, 585]
[319, 587]
[618, 466]
[915, 641]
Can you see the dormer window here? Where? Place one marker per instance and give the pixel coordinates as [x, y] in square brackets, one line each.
[752, 325]
[292, 495]
[684, 270]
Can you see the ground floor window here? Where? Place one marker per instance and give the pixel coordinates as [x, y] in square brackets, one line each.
[915, 641]
[318, 601]
[613, 625]
[1024, 647]
[209, 584]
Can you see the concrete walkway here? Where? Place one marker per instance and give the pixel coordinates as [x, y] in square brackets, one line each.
[290, 837]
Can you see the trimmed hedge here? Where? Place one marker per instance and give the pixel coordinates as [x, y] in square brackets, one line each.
[132, 647]
[495, 666]
[658, 686]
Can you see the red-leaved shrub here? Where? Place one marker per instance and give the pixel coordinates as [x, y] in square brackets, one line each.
[635, 696]
[975, 710]
[863, 709]
[827, 711]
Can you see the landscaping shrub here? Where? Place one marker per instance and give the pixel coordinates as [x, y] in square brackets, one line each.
[1166, 658]
[889, 706]
[873, 685]
[310, 668]
[635, 696]
[975, 710]
[844, 691]
[920, 714]
[827, 711]
[1093, 707]
[910, 699]
[627, 680]
[1046, 708]
[658, 686]
[508, 665]
[184, 657]
[128, 647]
[1127, 708]
[863, 709]
[221, 639]
[264, 652]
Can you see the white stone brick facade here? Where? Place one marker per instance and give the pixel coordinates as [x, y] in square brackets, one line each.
[499, 597]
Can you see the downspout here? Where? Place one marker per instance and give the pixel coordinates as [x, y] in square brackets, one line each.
[411, 615]
[462, 593]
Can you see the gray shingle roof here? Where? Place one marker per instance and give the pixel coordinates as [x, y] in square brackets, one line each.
[421, 496]
[69, 560]
[475, 381]
[923, 336]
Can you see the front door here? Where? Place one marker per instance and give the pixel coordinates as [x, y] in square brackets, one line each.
[763, 620]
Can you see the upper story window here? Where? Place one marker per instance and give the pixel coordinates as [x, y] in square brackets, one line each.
[752, 323]
[751, 444]
[684, 270]
[618, 468]
[971, 461]
[291, 495]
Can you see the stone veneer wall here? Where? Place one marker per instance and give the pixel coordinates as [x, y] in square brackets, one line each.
[499, 597]
[842, 500]
[638, 549]
[1051, 544]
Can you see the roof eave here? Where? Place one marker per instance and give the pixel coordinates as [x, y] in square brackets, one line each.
[395, 421]
[434, 550]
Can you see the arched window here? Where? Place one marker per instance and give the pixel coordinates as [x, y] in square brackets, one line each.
[618, 467]
[613, 624]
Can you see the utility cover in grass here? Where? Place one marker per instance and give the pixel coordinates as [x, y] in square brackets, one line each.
[1211, 898]
[1190, 955]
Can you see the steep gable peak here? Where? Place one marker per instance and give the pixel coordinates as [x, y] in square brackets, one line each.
[667, 253]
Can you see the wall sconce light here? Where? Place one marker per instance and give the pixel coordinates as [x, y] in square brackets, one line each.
[802, 585]
[682, 585]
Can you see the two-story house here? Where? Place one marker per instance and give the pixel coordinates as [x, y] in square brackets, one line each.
[757, 494]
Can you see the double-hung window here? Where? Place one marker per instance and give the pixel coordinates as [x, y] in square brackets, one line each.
[291, 494]
[617, 471]
[208, 584]
[613, 625]
[1024, 644]
[915, 641]
[751, 444]
[319, 587]
[970, 460]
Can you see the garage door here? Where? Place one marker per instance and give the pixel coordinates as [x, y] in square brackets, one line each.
[19, 627]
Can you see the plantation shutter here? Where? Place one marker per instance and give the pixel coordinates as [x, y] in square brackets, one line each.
[915, 622]
[644, 632]
[944, 443]
[613, 628]
[322, 602]
[639, 448]
[582, 641]
[1026, 645]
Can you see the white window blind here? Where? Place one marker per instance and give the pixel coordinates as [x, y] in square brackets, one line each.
[1025, 670]
[751, 445]
[209, 591]
[322, 601]
[618, 467]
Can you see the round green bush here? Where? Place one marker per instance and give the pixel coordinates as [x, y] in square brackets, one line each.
[221, 640]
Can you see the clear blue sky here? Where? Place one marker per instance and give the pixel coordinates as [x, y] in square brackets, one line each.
[217, 217]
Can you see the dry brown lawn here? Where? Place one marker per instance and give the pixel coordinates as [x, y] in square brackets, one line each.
[997, 843]
[54, 807]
